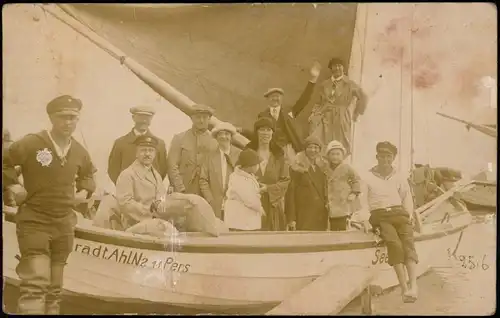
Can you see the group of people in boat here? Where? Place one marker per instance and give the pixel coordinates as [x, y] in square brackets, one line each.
[279, 181]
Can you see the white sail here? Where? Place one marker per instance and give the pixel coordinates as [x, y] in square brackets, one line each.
[454, 47]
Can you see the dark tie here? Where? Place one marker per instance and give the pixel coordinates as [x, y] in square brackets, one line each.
[228, 160]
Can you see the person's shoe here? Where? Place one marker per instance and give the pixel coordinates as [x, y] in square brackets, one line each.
[410, 296]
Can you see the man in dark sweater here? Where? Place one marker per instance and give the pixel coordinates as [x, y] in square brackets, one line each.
[53, 166]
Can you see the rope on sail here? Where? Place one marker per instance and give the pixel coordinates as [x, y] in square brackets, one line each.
[400, 144]
[412, 118]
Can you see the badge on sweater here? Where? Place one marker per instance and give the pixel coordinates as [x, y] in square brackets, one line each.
[44, 157]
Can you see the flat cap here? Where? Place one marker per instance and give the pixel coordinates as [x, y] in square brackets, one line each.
[202, 109]
[223, 126]
[64, 105]
[263, 122]
[386, 147]
[274, 90]
[143, 110]
[312, 140]
[146, 140]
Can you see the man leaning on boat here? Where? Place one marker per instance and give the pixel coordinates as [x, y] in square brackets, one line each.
[391, 214]
[45, 220]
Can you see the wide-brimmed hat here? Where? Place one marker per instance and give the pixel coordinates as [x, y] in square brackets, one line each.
[223, 126]
[334, 144]
[248, 158]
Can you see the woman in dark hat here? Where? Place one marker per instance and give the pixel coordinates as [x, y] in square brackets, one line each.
[306, 199]
[332, 116]
[273, 174]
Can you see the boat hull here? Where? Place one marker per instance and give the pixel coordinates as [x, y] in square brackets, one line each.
[482, 198]
[212, 282]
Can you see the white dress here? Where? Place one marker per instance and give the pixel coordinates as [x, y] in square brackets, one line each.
[243, 208]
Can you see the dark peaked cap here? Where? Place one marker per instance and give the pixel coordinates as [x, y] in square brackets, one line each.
[146, 140]
[65, 105]
[386, 147]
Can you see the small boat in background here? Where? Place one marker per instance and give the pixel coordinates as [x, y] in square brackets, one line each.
[483, 197]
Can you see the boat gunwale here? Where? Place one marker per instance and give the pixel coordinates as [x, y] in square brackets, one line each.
[96, 235]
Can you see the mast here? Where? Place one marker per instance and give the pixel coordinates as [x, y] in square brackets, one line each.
[362, 62]
[400, 142]
[412, 127]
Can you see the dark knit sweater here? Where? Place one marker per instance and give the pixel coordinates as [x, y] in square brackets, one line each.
[50, 188]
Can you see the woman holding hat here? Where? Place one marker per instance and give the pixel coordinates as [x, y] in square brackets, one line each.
[306, 198]
[243, 209]
[343, 186]
[273, 174]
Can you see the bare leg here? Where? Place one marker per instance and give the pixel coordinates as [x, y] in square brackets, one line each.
[401, 274]
[411, 267]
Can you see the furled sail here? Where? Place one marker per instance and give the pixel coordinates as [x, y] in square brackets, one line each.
[227, 56]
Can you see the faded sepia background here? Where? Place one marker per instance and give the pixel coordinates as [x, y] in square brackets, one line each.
[441, 67]
[454, 48]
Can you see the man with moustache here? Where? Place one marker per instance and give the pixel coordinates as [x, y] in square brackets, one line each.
[54, 166]
[218, 166]
[189, 150]
[123, 152]
[139, 188]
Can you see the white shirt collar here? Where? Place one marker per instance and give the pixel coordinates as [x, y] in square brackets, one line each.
[61, 152]
[337, 79]
[275, 110]
[224, 152]
[137, 133]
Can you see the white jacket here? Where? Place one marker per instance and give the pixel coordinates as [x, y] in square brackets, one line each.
[243, 209]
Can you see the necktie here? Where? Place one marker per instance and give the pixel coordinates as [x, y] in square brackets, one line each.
[275, 113]
[228, 160]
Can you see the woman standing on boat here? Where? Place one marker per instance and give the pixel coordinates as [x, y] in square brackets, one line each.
[273, 174]
[332, 117]
[306, 198]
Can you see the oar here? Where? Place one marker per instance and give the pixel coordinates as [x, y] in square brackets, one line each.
[176, 98]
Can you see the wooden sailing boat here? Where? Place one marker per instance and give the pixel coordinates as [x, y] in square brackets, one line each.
[483, 197]
[241, 271]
